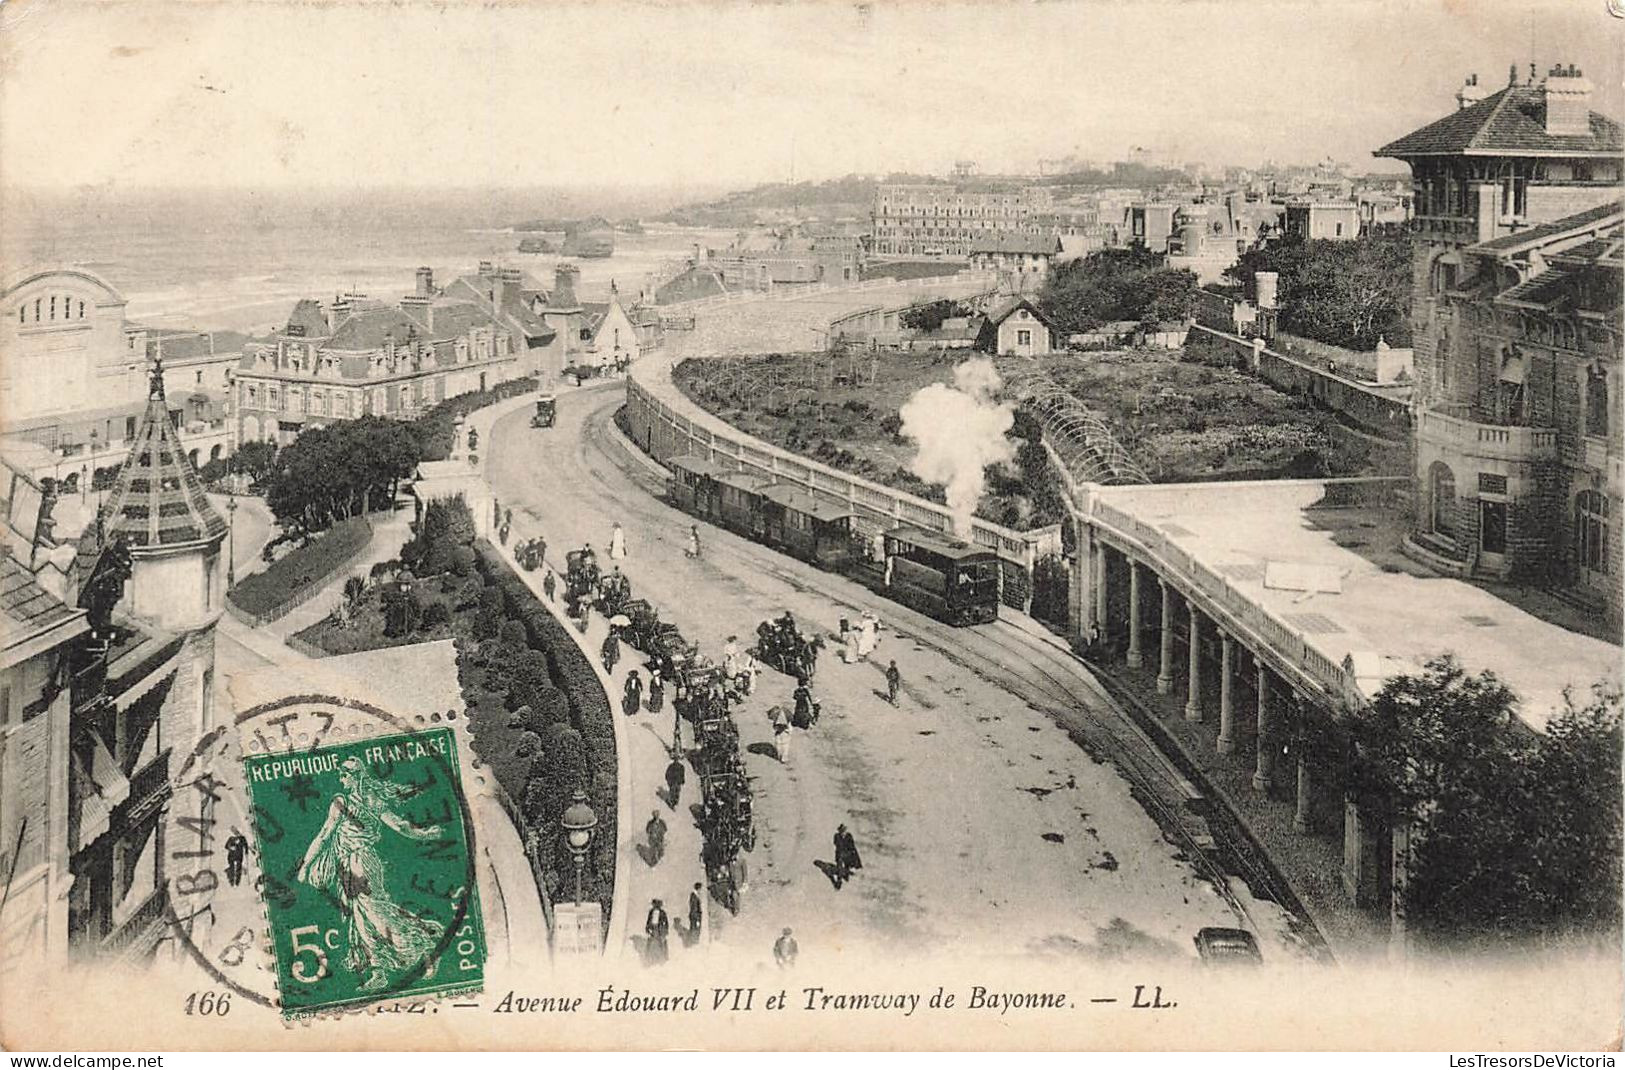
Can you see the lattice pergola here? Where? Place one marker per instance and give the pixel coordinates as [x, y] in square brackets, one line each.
[1079, 436]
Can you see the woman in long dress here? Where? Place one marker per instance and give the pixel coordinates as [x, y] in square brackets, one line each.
[382, 938]
[617, 543]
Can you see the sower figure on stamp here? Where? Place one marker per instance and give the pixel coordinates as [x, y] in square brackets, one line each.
[656, 926]
[236, 850]
[342, 860]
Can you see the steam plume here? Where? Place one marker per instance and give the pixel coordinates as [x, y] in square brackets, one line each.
[959, 430]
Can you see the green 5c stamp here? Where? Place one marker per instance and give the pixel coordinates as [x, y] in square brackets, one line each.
[370, 888]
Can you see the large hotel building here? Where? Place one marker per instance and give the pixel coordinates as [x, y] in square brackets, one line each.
[943, 220]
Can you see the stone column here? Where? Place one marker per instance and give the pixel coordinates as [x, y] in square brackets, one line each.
[1227, 707]
[1101, 565]
[1193, 697]
[1165, 669]
[1135, 655]
[1303, 820]
[1264, 771]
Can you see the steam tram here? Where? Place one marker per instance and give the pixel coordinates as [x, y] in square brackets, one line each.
[950, 580]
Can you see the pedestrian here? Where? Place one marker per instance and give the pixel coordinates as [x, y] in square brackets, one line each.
[693, 542]
[632, 694]
[894, 680]
[236, 850]
[749, 671]
[550, 584]
[657, 691]
[868, 633]
[730, 657]
[847, 861]
[617, 543]
[781, 733]
[656, 830]
[785, 950]
[674, 778]
[611, 650]
[541, 549]
[696, 911]
[657, 925]
[806, 713]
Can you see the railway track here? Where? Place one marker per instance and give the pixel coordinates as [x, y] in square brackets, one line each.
[1043, 674]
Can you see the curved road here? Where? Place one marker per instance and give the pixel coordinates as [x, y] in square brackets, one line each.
[983, 823]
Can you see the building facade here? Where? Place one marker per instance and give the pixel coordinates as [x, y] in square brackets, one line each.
[932, 220]
[1322, 220]
[108, 685]
[73, 378]
[1017, 329]
[1515, 313]
[358, 358]
[1023, 261]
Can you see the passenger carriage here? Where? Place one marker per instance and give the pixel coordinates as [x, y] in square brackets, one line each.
[799, 523]
[738, 502]
[943, 577]
[692, 485]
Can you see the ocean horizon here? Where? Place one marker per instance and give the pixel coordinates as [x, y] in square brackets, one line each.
[237, 259]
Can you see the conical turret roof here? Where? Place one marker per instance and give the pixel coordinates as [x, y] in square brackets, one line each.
[157, 502]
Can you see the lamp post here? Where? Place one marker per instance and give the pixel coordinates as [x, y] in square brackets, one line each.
[578, 823]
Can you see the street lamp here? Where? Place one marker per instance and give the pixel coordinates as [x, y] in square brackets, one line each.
[578, 823]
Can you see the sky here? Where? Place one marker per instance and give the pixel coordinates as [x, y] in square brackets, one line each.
[241, 93]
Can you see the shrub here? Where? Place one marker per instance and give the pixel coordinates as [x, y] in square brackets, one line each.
[436, 614]
[314, 562]
[462, 560]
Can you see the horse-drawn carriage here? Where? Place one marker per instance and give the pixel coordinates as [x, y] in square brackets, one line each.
[780, 644]
[581, 574]
[614, 592]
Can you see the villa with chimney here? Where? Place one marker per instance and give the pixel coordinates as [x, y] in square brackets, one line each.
[1516, 302]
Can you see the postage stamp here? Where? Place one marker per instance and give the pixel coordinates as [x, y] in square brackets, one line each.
[368, 887]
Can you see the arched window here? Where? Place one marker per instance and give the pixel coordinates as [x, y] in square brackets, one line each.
[1596, 401]
[22, 313]
[53, 306]
[1591, 531]
[36, 309]
[1442, 500]
[81, 310]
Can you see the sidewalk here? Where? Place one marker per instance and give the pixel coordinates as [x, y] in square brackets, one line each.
[642, 743]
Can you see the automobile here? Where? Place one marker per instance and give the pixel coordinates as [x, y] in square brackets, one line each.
[546, 411]
[1225, 947]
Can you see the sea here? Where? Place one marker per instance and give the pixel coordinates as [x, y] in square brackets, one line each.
[238, 259]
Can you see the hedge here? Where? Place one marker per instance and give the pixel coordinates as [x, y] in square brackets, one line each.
[314, 563]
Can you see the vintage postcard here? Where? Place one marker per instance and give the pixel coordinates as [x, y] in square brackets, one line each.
[811, 525]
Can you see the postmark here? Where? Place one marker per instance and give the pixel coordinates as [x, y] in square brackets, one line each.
[221, 895]
[365, 851]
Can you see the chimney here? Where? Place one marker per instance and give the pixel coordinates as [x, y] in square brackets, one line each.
[499, 289]
[564, 286]
[425, 282]
[1470, 93]
[1568, 102]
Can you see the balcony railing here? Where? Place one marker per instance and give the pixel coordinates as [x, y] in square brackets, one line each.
[140, 926]
[148, 787]
[1452, 227]
[1497, 441]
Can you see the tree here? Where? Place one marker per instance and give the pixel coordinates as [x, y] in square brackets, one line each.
[254, 459]
[1343, 293]
[930, 315]
[1510, 832]
[1104, 286]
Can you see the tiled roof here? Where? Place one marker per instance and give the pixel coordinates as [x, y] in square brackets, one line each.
[1004, 312]
[307, 314]
[696, 282]
[157, 499]
[1551, 290]
[1537, 236]
[1510, 122]
[24, 603]
[366, 330]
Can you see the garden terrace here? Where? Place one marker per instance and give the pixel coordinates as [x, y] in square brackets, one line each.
[537, 712]
[301, 572]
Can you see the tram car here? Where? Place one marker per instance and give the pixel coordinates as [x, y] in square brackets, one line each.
[738, 502]
[692, 486]
[797, 522]
[943, 577]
